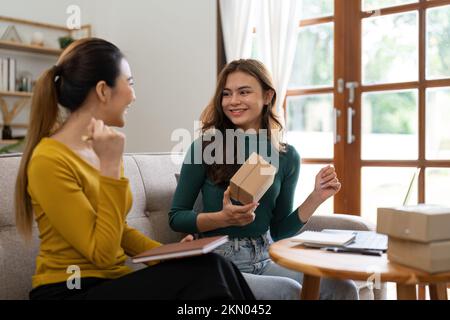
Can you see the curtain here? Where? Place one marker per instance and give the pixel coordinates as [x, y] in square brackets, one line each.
[276, 32]
[237, 28]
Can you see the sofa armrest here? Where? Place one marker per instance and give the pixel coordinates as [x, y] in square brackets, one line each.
[338, 221]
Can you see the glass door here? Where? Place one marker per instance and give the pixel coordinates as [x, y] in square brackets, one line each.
[370, 93]
[401, 67]
[310, 103]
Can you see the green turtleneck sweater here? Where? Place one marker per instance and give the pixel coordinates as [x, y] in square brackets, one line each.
[275, 210]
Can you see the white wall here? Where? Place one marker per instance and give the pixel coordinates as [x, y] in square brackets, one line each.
[171, 47]
[50, 11]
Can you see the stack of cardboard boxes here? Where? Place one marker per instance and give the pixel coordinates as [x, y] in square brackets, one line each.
[419, 236]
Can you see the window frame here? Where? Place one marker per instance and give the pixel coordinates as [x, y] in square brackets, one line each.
[347, 19]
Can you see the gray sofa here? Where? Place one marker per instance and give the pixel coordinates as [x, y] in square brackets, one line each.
[152, 178]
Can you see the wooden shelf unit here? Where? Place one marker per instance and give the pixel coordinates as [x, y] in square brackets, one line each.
[16, 94]
[7, 45]
[22, 47]
[16, 125]
[22, 99]
[70, 32]
[8, 142]
[12, 103]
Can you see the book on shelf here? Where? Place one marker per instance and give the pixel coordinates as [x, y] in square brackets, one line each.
[323, 239]
[12, 74]
[8, 74]
[181, 249]
[4, 74]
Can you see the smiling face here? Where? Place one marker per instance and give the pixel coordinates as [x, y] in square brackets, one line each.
[122, 95]
[243, 100]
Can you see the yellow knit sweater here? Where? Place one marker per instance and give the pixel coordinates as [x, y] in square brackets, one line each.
[81, 217]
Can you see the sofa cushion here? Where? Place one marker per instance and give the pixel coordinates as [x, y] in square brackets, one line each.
[137, 187]
[17, 263]
[337, 221]
[8, 168]
[157, 173]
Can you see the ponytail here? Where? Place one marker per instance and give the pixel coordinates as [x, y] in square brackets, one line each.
[43, 118]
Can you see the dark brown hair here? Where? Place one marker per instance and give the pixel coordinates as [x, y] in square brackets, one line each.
[78, 70]
[213, 116]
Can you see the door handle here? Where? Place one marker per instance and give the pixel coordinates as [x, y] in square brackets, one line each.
[341, 85]
[336, 115]
[350, 114]
[351, 86]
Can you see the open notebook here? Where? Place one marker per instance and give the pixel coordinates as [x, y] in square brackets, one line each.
[181, 249]
[323, 239]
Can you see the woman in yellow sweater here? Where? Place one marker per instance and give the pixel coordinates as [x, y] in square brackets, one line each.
[71, 178]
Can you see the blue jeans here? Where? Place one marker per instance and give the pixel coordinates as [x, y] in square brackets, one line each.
[270, 281]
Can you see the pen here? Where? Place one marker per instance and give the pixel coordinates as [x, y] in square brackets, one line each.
[349, 250]
[369, 252]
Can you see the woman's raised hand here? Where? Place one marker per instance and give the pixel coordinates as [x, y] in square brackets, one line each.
[327, 183]
[109, 145]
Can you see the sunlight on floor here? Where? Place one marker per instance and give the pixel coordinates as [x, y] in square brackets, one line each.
[392, 292]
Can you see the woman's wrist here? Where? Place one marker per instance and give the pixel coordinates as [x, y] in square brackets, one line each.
[300, 215]
[308, 207]
[315, 199]
[210, 221]
[220, 220]
[110, 169]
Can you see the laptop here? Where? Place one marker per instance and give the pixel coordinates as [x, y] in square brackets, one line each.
[369, 241]
[364, 242]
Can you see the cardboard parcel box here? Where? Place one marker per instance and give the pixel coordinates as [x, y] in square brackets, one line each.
[252, 180]
[429, 257]
[423, 223]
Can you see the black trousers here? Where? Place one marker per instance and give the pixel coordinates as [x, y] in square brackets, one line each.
[198, 278]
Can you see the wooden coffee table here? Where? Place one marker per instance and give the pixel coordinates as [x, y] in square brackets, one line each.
[315, 264]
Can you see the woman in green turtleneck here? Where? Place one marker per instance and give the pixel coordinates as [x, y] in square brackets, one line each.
[244, 101]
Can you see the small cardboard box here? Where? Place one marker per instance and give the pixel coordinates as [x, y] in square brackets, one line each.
[423, 223]
[252, 180]
[429, 257]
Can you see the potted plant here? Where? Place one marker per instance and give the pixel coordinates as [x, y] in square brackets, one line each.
[64, 42]
[11, 148]
[6, 132]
